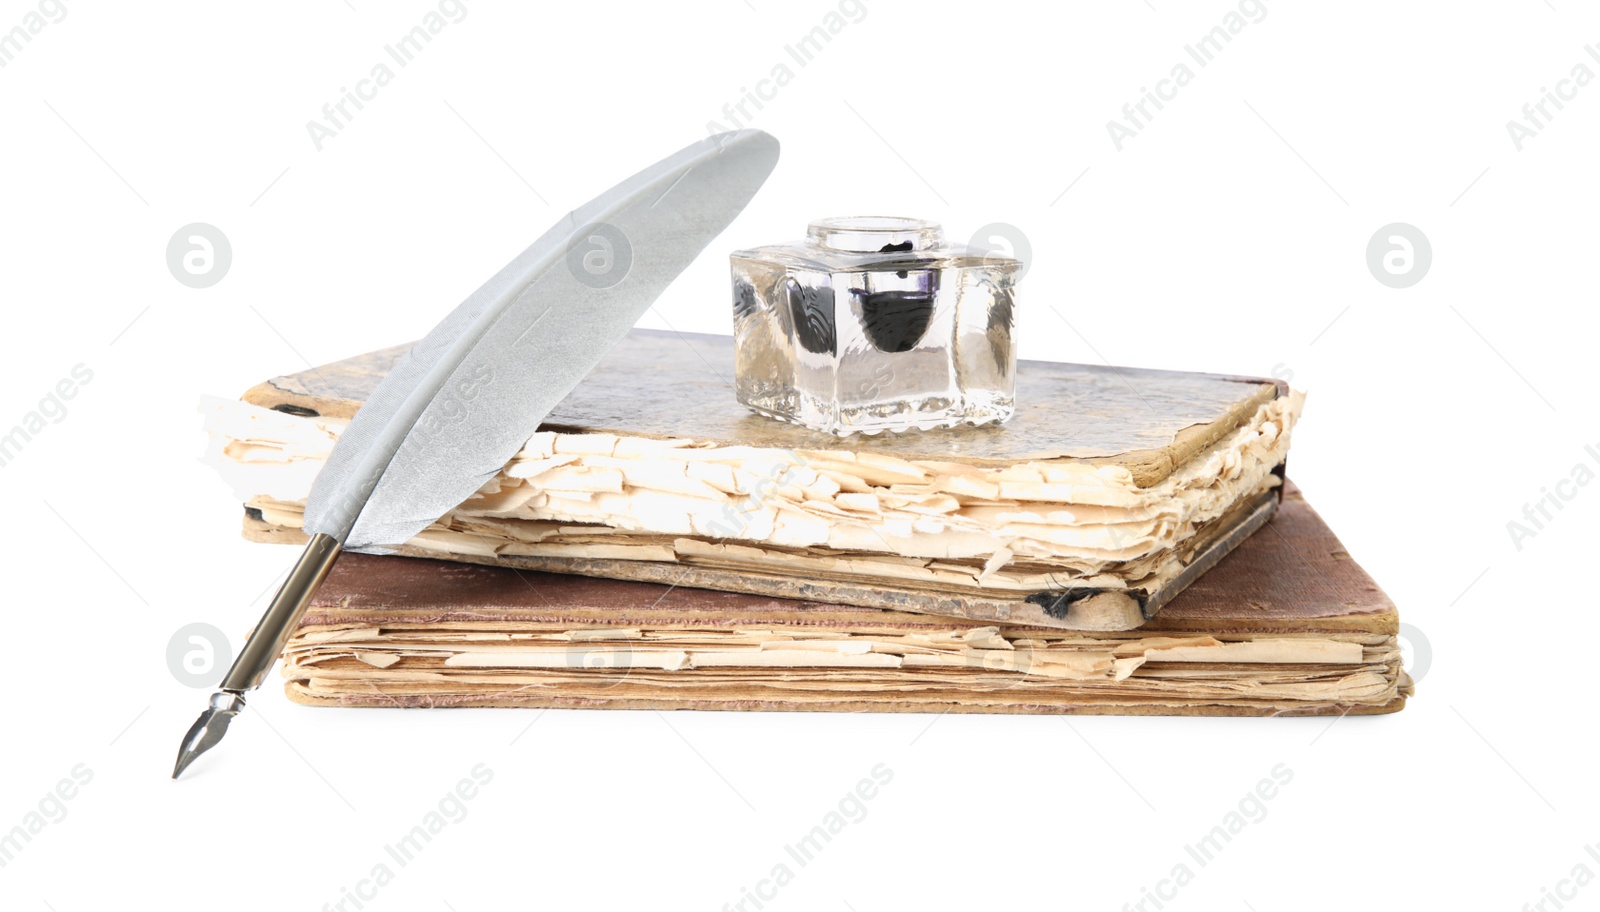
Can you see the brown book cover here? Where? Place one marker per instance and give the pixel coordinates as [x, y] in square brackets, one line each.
[1286, 624]
[1111, 489]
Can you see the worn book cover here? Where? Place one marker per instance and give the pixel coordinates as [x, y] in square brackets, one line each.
[1286, 624]
[1111, 489]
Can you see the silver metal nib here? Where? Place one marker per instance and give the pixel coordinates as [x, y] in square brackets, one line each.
[261, 649]
[208, 729]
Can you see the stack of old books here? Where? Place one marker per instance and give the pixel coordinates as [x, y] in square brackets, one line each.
[1128, 543]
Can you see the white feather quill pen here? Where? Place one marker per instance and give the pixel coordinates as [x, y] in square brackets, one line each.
[466, 397]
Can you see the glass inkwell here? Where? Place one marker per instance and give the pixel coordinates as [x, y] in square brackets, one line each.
[872, 324]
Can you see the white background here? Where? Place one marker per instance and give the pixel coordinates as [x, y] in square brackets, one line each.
[1229, 235]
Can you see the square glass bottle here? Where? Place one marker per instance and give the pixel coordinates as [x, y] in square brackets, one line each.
[874, 323]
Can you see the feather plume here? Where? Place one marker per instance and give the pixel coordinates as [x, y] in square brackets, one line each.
[466, 397]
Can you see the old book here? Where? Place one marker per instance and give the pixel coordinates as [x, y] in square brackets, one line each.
[1286, 624]
[1109, 491]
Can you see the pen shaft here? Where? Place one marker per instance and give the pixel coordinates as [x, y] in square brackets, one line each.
[278, 623]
